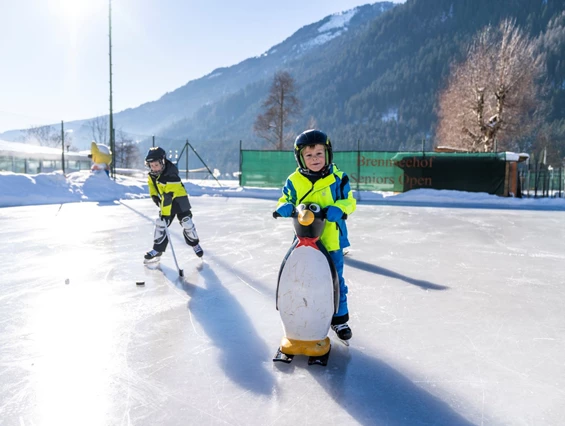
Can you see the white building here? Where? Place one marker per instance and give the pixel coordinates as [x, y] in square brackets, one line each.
[32, 159]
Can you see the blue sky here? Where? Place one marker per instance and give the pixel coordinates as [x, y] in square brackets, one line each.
[55, 52]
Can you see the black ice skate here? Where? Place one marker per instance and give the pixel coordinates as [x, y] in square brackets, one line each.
[152, 256]
[198, 250]
[282, 357]
[343, 331]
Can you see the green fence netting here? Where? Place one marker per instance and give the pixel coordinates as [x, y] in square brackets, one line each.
[539, 182]
[387, 171]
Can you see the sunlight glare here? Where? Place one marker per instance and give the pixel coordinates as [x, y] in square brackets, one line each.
[74, 11]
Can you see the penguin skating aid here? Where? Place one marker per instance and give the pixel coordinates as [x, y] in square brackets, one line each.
[307, 290]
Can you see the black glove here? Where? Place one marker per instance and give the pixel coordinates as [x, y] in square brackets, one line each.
[166, 219]
[156, 200]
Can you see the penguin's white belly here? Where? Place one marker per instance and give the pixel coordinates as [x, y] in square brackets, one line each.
[305, 295]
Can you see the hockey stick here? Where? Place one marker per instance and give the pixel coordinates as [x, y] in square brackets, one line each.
[181, 272]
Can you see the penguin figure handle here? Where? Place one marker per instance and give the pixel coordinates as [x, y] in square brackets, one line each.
[324, 211]
[276, 215]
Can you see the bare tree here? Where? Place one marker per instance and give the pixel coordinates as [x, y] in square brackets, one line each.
[99, 129]
[47, 136]
[493, 95]
[281, 104]
[548, 138]
[127, 152]
[57, 139]
[312, 123]
[41, 135]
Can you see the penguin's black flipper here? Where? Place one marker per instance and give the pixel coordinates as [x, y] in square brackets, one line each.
[319, 360]
[282, 357]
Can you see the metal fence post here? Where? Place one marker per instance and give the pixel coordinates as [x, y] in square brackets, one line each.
[560, 181]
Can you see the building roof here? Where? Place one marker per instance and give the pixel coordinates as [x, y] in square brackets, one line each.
[24, 150]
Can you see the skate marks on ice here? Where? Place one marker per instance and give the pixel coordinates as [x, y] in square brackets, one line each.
[218, 317]
[160, 273]
[369, 267]
[262, 287]
[221, 321]
[375, 393]
[150, 219]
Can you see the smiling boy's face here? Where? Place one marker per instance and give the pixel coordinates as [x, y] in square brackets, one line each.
[314, 157]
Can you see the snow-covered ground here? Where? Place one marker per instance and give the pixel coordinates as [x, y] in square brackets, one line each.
[456, 312]
[53, 188]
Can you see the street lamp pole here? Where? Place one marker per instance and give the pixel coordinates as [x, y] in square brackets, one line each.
[111, 115]
[63, 146]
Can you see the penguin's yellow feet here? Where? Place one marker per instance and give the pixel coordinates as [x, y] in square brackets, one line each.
[305, 347]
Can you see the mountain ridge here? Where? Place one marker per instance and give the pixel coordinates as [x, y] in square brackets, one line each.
[373, 82]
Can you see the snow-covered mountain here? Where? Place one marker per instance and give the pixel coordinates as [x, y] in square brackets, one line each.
[155, 116]
[152, 116]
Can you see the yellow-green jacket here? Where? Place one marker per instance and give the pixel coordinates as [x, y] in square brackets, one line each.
[168, 187]
[331, 190]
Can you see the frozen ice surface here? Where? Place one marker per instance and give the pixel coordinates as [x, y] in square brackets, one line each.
[457, 316]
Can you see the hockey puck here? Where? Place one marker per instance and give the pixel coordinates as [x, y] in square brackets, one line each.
[140, 283]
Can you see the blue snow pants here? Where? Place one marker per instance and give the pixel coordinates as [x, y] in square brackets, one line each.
[337, 257]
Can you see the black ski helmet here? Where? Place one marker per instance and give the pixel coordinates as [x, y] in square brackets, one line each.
[156, 153]
[310, 138]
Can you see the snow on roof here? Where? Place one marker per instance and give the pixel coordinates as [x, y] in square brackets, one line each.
[509, 156]
[23, 150]
[514, 156]
[27, 148]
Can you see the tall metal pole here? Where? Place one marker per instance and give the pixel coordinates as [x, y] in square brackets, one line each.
[62, 146]
[240, 161]
[358, 168]
[111, 115]
[186, 147]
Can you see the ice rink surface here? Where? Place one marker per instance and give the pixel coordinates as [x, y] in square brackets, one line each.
[457, 316]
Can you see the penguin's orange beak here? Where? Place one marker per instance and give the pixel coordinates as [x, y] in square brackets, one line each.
[305, 217]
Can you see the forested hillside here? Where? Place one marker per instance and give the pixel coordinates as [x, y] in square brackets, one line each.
[379, 87]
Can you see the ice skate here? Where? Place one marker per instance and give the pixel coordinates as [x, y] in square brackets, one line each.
[152, 256]
[198, 250]
[343, 331]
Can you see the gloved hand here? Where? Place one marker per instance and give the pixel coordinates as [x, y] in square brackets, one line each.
[333, 214]
[285, 210]
[156, 200]
[166, 219]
